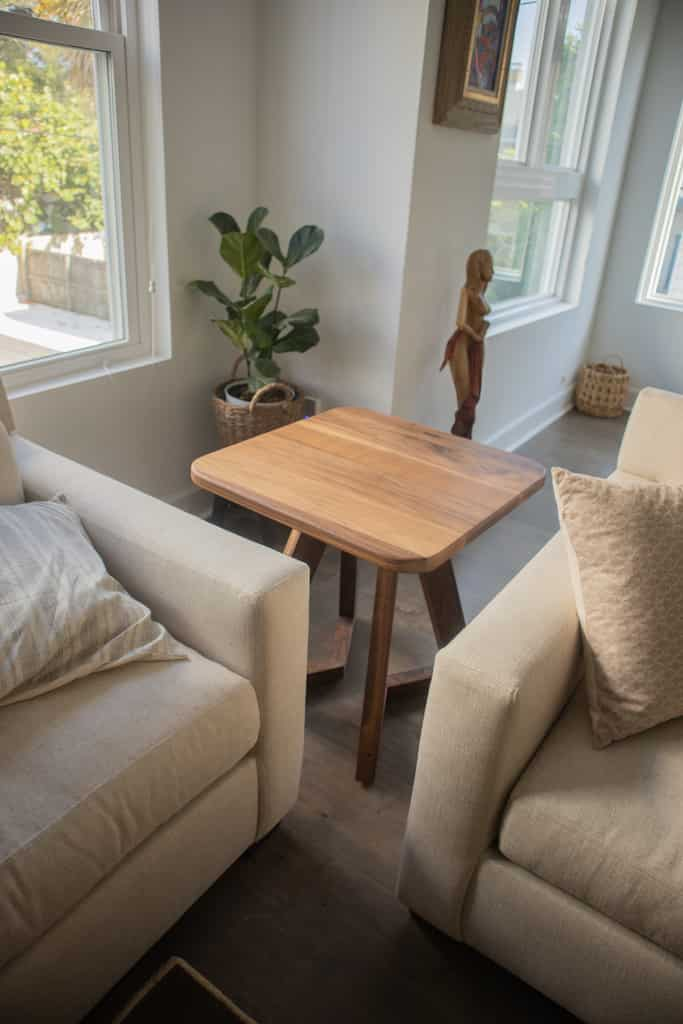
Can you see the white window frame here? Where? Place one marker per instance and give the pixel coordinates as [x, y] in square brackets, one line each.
[125, 179]
[647, 294]
[531, 179]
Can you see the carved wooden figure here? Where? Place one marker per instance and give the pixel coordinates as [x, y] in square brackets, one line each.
[465, 347]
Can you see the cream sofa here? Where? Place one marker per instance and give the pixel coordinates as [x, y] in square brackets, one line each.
[562, 863]
[125, 795]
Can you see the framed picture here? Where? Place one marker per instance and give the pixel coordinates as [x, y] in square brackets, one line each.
[474, 63]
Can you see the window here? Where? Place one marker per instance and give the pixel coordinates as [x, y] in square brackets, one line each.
[662, 281]
[542, 150]
[69, 288]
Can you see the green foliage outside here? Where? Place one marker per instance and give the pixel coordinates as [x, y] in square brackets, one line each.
[49, 146]
[254, 322]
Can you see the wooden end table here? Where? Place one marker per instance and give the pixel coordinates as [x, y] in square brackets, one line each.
[402, 496]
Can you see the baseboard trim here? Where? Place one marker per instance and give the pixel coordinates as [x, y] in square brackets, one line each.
[193, 500]
[531, 423]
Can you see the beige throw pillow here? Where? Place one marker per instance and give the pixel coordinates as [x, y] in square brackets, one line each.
[625, 547]
[62, 616]
[11, 488]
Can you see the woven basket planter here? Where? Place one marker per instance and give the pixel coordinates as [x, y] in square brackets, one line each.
[602, 389]
[236, 423]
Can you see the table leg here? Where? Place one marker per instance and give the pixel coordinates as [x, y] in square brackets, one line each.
[445, 610]
[305, 549]
[329, 664]
[376, 682]
[443, 602]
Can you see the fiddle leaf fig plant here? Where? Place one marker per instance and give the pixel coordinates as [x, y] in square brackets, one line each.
[254, 322]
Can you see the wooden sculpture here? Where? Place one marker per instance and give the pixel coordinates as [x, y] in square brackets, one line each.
[465, 347]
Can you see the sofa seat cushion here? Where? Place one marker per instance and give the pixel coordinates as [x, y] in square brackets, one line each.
[91, 770]
[606, 826]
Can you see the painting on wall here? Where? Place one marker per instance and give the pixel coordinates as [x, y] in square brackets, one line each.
[474, 63]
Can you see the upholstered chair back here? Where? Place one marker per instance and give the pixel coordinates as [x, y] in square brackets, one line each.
[653, 442]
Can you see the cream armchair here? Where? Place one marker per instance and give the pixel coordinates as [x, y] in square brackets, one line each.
[562, 863]
[125, 795]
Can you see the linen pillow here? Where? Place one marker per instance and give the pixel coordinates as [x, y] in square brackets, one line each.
[625, 548]
[62, 616]
[11, 488]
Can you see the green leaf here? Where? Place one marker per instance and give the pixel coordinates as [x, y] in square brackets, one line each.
[232, 329]
[251, 284]
[272, 320]
[256, 219]
[279, 279]
[266, 368]
[299, 339]
[254, 310]
[242, 252]
[270, 243]
[303, 242]
[259, 337]
[305, 317]
[212, 290]
[225, 223]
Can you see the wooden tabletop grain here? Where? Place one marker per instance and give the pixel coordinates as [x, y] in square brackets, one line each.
[398, 494]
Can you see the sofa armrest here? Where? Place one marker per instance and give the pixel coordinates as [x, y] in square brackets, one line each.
[234, 601]
[497, 689]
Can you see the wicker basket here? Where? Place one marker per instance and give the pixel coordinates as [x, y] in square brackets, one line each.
[602, 389]
[237, 423]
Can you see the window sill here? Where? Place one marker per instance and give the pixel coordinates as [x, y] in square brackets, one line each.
[523, 314]
[656, 303]
[31, 380]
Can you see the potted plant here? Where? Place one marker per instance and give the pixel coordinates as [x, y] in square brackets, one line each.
[257, 326]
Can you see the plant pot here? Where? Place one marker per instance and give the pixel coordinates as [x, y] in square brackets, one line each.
[232, 399]
[238, 420]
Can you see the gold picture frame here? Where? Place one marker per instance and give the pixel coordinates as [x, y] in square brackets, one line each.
[476, 44]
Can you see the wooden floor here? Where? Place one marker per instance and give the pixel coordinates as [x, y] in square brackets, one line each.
[305, 927]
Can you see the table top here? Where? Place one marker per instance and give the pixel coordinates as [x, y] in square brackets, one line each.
[395, 493]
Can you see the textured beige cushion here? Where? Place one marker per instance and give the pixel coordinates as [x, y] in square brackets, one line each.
[62, 616]
[11, 489]
[91, 770]
[625, 546]
[606, 826]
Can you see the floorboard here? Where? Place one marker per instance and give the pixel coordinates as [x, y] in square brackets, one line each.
[306, 927]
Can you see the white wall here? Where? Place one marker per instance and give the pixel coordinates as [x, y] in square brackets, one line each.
[321, 110]
[338, 102]
[649, 340]
[145, 426]
[529, 369]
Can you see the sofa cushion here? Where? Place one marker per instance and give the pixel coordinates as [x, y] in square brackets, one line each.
[62, 616]
[11, 487]
[606, 826]
[625, 550]
[91, 770]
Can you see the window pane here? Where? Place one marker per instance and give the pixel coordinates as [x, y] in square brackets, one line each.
[57, 288]
[670, 278]
[518, 98]
[71, 12]
[523, 238]
[571, 76]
